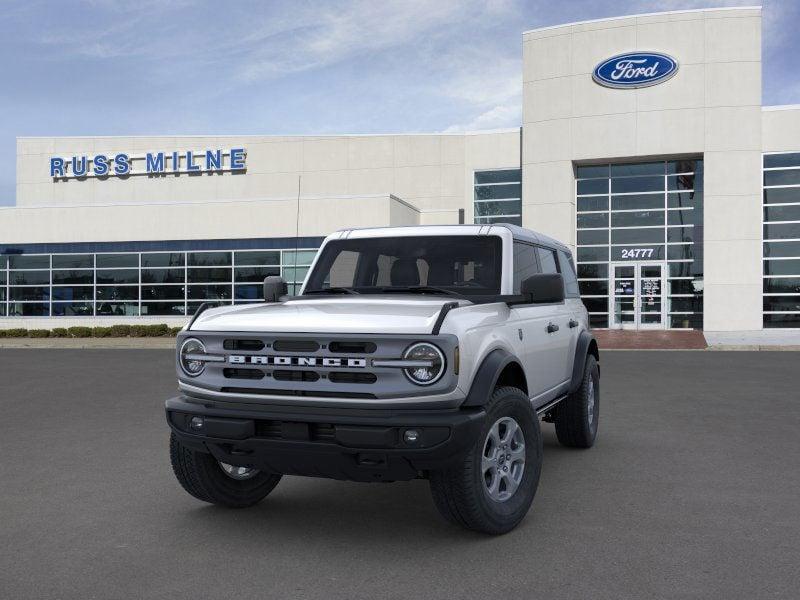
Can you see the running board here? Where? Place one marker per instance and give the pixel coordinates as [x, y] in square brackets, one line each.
[544, 409]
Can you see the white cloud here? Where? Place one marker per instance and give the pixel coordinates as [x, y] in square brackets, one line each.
[497, 117]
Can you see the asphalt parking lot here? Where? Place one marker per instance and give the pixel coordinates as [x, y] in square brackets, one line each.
[692, 491]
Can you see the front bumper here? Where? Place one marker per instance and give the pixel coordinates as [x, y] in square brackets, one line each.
[358, 445]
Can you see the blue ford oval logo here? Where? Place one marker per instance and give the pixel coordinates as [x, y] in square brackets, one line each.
[635, 70]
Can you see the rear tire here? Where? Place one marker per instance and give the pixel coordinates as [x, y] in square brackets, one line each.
[477, 492]
[203, 477]
[576, 417]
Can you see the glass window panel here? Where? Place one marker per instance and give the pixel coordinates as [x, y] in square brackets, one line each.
[686, 321]
[2, 277]
[73, 261]
[685, 286]
[163, 275]
[162, 259]
[593, 186]
[592, 236]
[593, 254]
[29, 277]
[489, 220]
[651, 168]
[255, 274]
[681, 269]
[782, 231]
[293, 275]
[193, 306]
[3, 262]
[680, 234]
[162, 292]
[782, 213]
[28, 309]
[640, 218]
[118, 276]
[567, 269]
[684, 166]
[596, 304]
[593, 271]
[782, 249]
[498, 176]
[782, 160]
[683, 182]
[639, 252]
[685, 200]
[73, 309]
[209, 259]
[680, 252]
[122, 292]
[486, 209]
[73, 292]
[2, 310]
[782, 303]
[162, 308]
[637, 236]
[782, 267]
[209, 275]
[2, 294]
[249, 292]
[593, 203]
[257, 257]
[114, 261]
[25, 261]
[598, 321]
[117, 309]
[29, 293]
[73, 277]
[209, 292]
[782, 285]
[637, 202]
[594, 288]
[593, 220]
[636, 184]
[491, 192]
[304, 258]
[525, 264]
[547, 260]
[684, 217]
[786, 320]
[694, 304]
[788, 177]
[782, 195]
[591, 171]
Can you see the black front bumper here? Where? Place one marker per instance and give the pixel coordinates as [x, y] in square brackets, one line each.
[358, 445]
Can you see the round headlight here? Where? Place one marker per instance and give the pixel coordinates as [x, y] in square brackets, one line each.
[424, 375]
[191, 367]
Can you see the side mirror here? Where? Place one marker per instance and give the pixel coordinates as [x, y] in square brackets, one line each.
[544, 288]
[274, 288]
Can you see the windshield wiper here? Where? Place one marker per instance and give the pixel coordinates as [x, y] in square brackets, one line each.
[420, 289]
[331, 290]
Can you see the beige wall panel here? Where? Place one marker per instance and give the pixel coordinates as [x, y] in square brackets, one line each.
[547, 57]
[733, 174]
[604, 136]
[684, 90]
[555, 220]
[370, 152]
[324, 183]
[619, 36]
[730, 39]
[274, 157]
[538, 97]
[548, 183]
[548, 141]
[402, 214]
[417, 150]
[733, 84]
[452, 149]
[325, 154]
[733, 128]
[732, 218]
[734, 307]
[673, 37]
[590, 99]
[370, 181]
[670, 132]
[413, 182]
[781, 130]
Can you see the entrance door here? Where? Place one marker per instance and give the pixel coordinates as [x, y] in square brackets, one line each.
[637, 295]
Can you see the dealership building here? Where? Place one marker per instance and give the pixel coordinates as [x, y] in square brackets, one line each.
[644, 146]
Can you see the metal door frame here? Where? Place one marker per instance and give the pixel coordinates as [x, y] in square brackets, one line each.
[637, 295]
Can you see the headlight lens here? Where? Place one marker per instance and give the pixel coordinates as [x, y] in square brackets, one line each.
[192, 368]
[424, 352]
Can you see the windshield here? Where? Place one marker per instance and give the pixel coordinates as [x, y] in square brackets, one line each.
[464, 265]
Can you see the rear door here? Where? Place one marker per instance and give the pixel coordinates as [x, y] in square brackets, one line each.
[560, 337]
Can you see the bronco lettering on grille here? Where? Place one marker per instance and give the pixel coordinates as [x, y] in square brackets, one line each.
[297, 361]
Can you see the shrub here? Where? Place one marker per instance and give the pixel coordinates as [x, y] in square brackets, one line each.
[101, 332]
[173, 331]
[156, 330]
[138, 331]
[59, 332]
[16, 332]
[38, 333]
[120, 330]
[80, 332]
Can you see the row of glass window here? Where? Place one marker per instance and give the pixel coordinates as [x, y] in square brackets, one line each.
[781, 206]
[498, 196]
[659, 200]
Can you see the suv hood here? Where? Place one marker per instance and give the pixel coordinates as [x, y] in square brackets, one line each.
[351, 314]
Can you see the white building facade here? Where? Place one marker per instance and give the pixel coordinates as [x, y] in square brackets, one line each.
[677, 190]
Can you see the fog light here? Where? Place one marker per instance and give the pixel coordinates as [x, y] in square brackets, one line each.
[196, 423]
[411, 436]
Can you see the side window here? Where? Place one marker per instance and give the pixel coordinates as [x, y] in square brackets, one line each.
[525, 264]
[547, 258]
[568, 271]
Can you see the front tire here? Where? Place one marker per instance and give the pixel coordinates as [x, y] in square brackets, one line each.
[576, 417]
[491, 488]
[211, 481]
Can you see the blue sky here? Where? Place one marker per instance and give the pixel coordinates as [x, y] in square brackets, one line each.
[102, 67]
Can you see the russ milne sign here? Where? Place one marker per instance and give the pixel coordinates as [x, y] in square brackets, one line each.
[635, 70]
[151, 163]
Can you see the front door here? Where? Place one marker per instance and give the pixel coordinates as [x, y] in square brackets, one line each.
[637, 295]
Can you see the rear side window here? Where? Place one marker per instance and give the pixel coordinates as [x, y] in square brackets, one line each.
[525, 264]
[568, 272]
[547, 260]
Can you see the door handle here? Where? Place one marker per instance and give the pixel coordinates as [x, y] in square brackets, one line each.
[573, 323]
[552, 328]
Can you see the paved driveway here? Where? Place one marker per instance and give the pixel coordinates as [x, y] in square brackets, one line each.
[692, 491]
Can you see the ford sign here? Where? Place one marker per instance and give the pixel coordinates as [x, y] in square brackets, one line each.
[635, 70]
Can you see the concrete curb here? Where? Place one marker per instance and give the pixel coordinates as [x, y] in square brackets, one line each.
[88, 343]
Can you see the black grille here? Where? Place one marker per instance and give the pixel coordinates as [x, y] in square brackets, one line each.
[243, 373]
[246, 345]
[295, 375]
[347, 377]
[277, 430]
[295, 346]
[275, 392]
[352, 347]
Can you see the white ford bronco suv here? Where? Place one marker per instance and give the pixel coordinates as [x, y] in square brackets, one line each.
[409, 352]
